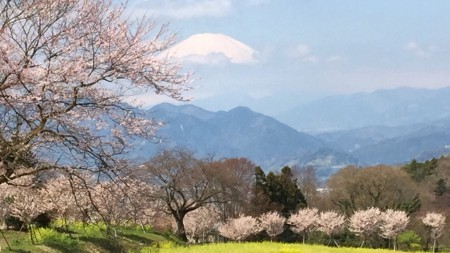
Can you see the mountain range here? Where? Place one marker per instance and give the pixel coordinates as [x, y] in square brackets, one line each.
[396, 131]
[395, 107]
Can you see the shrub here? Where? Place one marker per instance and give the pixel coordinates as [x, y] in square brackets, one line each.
[409, 240]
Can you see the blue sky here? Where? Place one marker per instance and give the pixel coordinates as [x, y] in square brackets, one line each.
[306, 49]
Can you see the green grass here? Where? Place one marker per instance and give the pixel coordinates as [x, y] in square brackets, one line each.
[266, 247]
[82, 238]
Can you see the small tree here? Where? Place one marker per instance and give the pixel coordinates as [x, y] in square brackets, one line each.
[365, 223]
[201, 222]
[272, 223]
[435, 223]
[393, 223]
[303, 221]
[330, 223]
[240, 228]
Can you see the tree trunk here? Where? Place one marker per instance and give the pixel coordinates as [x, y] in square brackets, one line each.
[30, 232]
[6, 240]
[181, 232]
[434, 245]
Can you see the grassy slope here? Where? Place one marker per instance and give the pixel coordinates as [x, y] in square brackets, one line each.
[267, 247]
[83, 240]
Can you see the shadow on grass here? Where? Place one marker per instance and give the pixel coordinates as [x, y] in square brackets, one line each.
[137, 238]
[64, 247]
[109, 245]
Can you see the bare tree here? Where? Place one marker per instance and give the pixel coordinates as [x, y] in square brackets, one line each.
[352, 189]
[435, 222]
[308, 183]
[66, 67]
[236, 178]
[184, 183]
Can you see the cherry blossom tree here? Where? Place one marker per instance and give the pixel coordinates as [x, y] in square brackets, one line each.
[435, 222]
[240, 228]
[392, 223]
[303, 221]
[201, 222]
[26, 203]
[272, 223]
[58, 192]
[142, 208]
[365, 223]
[330, 222]
[66, 66]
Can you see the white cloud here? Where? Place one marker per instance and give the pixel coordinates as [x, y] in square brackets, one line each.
[208, 48]
[419, 50]
[181, 9]
[303, 52]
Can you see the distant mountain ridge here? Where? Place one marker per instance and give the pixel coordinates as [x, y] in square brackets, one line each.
[415, 132]
[395, 107]
[239, 132]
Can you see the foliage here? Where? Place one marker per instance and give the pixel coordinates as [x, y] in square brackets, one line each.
[52, 238]
[441, 187]
[419, 171]
[409, 240]
[281, 191]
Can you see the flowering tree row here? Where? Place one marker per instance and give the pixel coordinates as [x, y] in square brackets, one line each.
[125, 201]
[364, 223]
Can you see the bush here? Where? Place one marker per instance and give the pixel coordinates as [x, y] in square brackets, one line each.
[409, 240]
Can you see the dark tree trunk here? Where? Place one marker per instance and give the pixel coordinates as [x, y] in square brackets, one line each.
[181, 232]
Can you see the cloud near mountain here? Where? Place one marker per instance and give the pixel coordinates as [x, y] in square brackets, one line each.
[210, 48]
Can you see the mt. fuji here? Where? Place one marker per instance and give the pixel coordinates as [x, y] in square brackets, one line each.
[210, 48]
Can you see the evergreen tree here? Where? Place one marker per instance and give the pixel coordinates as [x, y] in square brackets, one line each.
[418, 171]
[441, 187]
[277, 192]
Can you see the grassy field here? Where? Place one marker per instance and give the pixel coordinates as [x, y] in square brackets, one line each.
[93, 238]
[83, 239]
[266, 247]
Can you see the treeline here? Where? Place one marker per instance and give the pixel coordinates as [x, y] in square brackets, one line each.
[204, 200]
